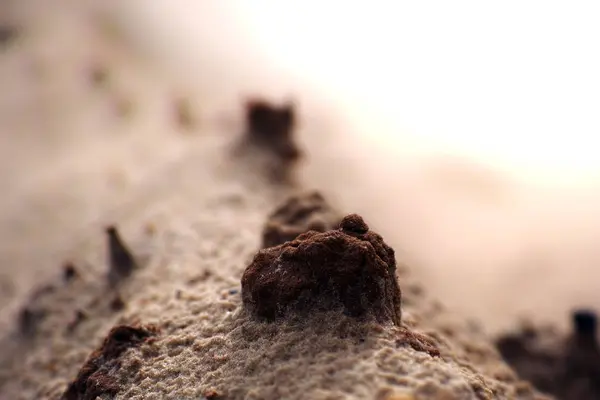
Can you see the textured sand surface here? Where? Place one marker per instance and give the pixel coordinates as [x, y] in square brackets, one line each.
[206, 229]
[192, 213]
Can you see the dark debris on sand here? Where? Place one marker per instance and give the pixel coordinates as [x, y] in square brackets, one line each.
[121, 260]
[7, 34]
[568, 368]
[69, 272]
[299, 214]
[272, 127]
[97, 375]
[350, 268]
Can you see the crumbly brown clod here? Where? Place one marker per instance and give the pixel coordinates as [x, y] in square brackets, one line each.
[97, 375]
[319, 271]
[121, 261]
[299, 214]
[272, 127]
[567, 368]
[117, 303]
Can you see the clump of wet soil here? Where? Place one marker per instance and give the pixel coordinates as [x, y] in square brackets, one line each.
[350, 268]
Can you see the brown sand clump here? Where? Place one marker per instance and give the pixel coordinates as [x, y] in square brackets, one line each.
[272, 127]
[97, 376]
[122, 262]
[351, 268]
[566, 367]
[299, 214]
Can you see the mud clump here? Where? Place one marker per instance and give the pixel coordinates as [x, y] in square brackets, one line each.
[299, 214]
[566, 367]
[97, 375]
[350, 268]
[121, 261]
[272, 127]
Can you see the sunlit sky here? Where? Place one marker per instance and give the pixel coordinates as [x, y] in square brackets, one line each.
[515, 82]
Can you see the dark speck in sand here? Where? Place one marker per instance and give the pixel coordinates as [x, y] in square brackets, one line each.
[122, 262]
[69, 272]
[7, 34]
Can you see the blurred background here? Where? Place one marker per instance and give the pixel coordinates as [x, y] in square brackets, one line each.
[465, 132]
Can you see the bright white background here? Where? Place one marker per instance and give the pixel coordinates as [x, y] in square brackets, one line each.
[512, 82]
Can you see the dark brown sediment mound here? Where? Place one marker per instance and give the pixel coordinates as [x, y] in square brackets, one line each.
[351, 268]
[566, 367]
[121, 261]
[96, 376]
[272, 127]
[299, 214]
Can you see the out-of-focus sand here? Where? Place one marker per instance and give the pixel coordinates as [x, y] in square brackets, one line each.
[488, 244]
